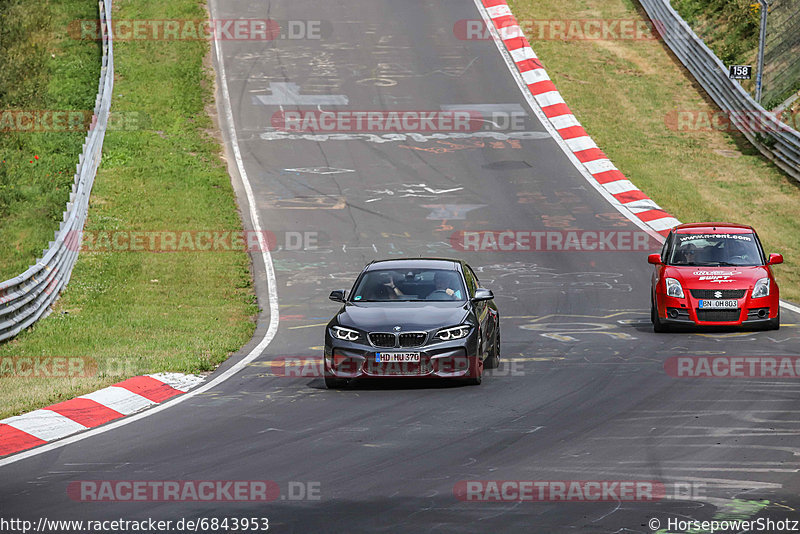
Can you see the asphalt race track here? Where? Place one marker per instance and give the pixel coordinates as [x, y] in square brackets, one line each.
[582, 393]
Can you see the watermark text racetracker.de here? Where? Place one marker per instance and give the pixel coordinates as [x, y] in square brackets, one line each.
[577, 490]
[559, 490]
[160, 241]
[551, 240]
[314, 367]
[47, 367]
[733, 366]
[203, 30]
[562, 30]
[145, 526]
[192, 491]
[44, 367]
[703, 120]
[397, 121]
[53, 120]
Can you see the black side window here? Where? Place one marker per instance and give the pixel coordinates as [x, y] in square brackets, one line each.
[472, 281]
[760, 249]
[667, 244]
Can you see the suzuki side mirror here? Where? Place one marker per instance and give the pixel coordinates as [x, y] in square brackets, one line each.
[775, 259]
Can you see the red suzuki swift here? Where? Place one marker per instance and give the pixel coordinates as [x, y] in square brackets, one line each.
[714, 274]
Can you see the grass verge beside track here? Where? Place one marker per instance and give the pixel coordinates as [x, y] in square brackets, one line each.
[41, 68]
[130, 313]
[729, 27]
[623, 92]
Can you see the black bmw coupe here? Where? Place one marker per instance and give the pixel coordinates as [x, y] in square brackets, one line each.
[413, 318]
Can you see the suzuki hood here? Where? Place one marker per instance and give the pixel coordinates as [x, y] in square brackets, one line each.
[717, 277]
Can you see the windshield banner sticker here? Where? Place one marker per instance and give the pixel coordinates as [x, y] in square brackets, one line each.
[692, 237]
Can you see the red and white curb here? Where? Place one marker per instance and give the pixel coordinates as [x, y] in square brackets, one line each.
[35, 428]
[554, 107]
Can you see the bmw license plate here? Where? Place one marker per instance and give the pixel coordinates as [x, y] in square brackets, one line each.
[397, 357]
[717, 304]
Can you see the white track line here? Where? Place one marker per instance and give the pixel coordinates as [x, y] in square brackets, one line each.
[272, 287]
[791, 307]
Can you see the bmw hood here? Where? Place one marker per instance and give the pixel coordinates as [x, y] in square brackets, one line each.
[407, 315]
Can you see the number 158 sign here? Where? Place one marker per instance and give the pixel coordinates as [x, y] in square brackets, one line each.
[740, 72]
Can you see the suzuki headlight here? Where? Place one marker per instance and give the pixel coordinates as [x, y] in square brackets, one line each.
[761, 288]
[456, 332]
[674, 288]
[346, 334]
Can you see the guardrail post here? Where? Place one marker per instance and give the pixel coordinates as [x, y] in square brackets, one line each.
[762, 39]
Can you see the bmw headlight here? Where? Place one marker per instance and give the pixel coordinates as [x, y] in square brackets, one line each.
[761, 288]
[455, 332]
[347, 334]
[674, 288]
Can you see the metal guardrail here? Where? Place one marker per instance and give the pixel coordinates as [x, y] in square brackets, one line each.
[24, 299]
[782, 52]
[776, 140]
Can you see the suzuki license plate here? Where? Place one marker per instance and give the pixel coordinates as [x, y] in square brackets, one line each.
[718, 304]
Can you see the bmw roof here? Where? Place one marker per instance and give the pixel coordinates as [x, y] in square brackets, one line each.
[414, 263]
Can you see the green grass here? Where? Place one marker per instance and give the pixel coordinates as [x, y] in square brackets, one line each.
[143, 312]
[729, 27]
[42, 69]
[697, 176]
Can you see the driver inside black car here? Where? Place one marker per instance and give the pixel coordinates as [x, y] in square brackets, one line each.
[386, 288]
[442, 282]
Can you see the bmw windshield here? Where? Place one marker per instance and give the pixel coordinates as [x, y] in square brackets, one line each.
[385, 285]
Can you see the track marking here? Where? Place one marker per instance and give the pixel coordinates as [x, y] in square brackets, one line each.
[288, 94]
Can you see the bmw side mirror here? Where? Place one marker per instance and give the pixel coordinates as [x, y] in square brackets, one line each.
[775, 259]
[654, 259]
[482, 294]
[338, 295]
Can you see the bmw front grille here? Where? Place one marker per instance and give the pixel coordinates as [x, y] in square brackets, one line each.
[404, 340]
